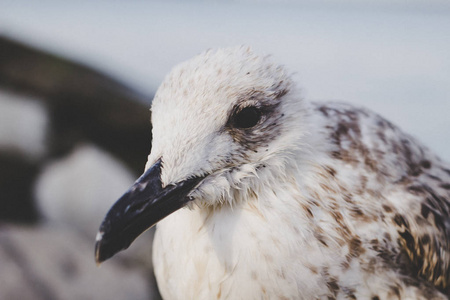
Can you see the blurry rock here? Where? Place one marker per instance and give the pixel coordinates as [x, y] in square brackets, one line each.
[83, 104]
[24, 125]
[52, 263]
[75, 139]
[23, 134]
[79, 189]
[49, 106]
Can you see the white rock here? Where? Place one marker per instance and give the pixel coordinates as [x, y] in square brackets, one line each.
[79, 189]
[23, 124]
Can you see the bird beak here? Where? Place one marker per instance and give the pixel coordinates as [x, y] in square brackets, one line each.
[141, 207]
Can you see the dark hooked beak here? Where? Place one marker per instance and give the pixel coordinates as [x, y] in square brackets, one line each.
[141, 207]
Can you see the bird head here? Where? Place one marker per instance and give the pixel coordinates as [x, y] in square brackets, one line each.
[224, 124]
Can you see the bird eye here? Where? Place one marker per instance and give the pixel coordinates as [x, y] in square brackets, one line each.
[247, 117]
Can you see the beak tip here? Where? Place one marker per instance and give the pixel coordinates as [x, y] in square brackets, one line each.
[98, 258]
[105, 248]
[98, 263]
[99, 254]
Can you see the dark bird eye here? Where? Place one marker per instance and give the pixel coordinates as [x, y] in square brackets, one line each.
[247, 117]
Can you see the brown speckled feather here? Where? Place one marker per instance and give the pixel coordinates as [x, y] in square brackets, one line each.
[402, 168]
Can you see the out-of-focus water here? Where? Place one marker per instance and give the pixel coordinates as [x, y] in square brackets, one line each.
[393, 57]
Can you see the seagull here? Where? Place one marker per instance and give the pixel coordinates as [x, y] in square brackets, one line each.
[260, 194]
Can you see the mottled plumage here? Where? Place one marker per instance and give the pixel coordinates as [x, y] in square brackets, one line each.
[314, 201]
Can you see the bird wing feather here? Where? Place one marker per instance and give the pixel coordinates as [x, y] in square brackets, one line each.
[414, 183]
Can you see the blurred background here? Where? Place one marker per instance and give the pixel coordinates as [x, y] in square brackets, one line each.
[77, 79]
